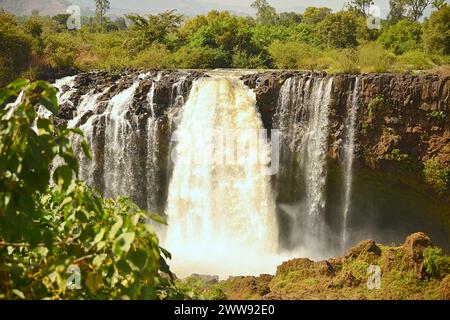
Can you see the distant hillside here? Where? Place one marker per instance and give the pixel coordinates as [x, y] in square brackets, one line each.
[118, 7]
[25, 7]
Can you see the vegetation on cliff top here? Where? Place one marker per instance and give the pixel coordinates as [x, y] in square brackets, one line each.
[319, 39]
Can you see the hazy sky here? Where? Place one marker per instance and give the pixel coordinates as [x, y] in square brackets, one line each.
[280, 4]
[335, 4]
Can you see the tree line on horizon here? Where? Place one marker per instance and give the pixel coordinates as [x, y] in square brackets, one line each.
[318, 39]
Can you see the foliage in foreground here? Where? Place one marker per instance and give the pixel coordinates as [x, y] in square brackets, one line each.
[64, 241]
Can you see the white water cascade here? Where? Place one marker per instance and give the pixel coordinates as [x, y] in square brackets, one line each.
[125, 145]
[349, 153]
[221, 213]
[303, 118]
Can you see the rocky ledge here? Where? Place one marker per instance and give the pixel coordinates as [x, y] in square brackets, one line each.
[403, 121]
[414, 270]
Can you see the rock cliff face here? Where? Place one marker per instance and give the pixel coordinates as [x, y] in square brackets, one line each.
[401, 118]
[369, 153]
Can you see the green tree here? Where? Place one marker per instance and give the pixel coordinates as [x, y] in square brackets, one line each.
[265, 13]
[155, 28]
[339, 30]
[402, 37]
[315, 15]
[397, 11]
[101, 7]
[360, 6]
[415, 8]
[289, 18]
[439, 4]
[17, 47]
[436, 36]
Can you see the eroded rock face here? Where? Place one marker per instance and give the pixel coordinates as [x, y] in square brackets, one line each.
[346, 277]
[402, 120]
[413, 249]
[367, 247]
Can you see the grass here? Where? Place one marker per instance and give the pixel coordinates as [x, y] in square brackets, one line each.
[304, 279]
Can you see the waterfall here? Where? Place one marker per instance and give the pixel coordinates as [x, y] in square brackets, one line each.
[349, 151]
[127, 143]
[221, 213]
[303, 117]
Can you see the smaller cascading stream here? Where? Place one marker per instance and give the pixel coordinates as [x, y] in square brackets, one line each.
[303, 118]
[124, 163]
[348, 157]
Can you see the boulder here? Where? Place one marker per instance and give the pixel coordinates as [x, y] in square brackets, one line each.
[368, 247]
[413, 249]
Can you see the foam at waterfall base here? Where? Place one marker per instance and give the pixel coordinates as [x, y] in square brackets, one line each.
[222, 259]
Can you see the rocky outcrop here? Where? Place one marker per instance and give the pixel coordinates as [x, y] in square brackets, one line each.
[348, 277]
[413, 249]
[403, 121]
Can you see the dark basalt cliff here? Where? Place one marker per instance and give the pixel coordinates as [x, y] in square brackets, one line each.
[403, 121]
[401, 167]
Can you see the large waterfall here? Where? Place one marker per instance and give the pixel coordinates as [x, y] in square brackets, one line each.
[220, 207]
[196, 148]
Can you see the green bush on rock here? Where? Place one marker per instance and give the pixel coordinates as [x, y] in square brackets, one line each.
[437, 175]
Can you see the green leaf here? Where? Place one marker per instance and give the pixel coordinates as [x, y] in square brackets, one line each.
[86, 150]
[18, 293]
[98, 260]
[138, 258]
[115, 228]
[63, 176]
[47, 103]
[148, 293]
[157, 218]
[123, 242]
[163, 266]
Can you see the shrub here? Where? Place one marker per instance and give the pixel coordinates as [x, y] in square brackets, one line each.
[437, 175]
[244, 60]
[341, 61]
[402, 37]
[436, 35]
[436, 114]
[201, 58]
[373, 58]
[155, 57]
[59, 50]
[293, 55]
[54, 239]
[16, 49]
[376, 104]
[436, 264]
[413, 60]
